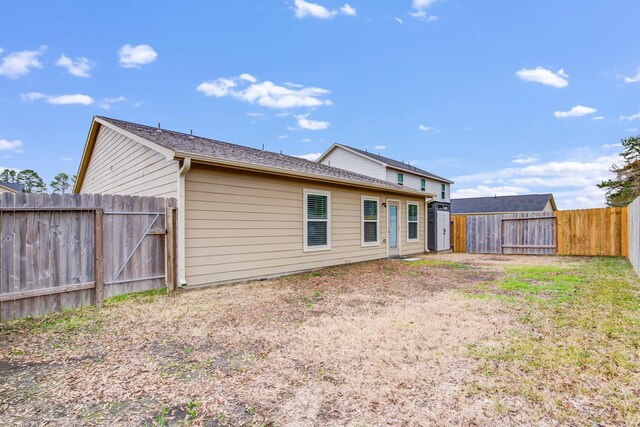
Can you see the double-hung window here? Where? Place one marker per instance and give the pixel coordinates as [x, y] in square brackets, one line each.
[423, 184]
[400, 178]
[443, 192]
[317, 220]
[370, 221]
[412, 222]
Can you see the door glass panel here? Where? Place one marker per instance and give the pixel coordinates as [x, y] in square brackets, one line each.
[393, 226]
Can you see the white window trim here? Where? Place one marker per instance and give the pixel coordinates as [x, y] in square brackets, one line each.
[304, 222]
[423, 187]
[417, 221]
[398, 226]
[362, 242]
[398, 175]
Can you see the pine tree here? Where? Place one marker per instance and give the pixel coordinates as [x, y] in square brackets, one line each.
[625, 187]
[61, 183]
[31, 181]
[9, 175]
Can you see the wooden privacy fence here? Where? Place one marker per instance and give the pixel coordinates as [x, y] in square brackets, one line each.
[66, 251]
[588, 232]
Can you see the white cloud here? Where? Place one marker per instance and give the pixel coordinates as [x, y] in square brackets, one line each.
[399, 20]
[6, 145]
[309, 124]
[79, 67]
[248, 77]
[487, 191]
[266, 94]
[311, 156]
[577, 111]
[381, 147]
[65, 159]
[348, 10]
[611, 145]
[306, 140]
[17, 64]
[77, 98]
[427, 128]
[544, 76]
[256, 115]
[598, 118]
[631, 117]
[525, 160]
[283, 136]
[107, 102]
[304, 9]
[135, 56]
[420, 7]
[633, 79]
[631, 130]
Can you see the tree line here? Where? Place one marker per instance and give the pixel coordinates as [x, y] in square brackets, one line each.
[625, 187]
[32, 182]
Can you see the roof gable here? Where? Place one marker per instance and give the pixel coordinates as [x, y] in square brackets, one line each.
[13, 186]
[497, 204]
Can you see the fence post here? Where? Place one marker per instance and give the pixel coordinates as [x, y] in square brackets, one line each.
[99, 251]
[170, 243]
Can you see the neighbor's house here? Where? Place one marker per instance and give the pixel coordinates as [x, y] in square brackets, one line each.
[10, 187]
[503, 204]
[245, 213]
[401, 173]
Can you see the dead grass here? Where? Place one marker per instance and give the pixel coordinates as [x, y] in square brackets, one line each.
[386, 342]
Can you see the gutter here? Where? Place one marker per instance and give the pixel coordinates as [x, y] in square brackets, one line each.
[182, 173]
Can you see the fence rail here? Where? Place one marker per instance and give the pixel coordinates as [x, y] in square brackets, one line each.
[586, 232]
[61, 251]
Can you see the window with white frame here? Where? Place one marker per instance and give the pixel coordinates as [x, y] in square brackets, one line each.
[423, 184]
[400, 178]
[443, 191]
[412, 221]
[370, 221]
[317, 220]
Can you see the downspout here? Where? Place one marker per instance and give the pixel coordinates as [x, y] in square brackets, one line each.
[427, 200]
[182, 213]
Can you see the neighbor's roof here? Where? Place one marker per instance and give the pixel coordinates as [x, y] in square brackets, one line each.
[389, 162]
[12, 186]
[497, 204]
[186, 145]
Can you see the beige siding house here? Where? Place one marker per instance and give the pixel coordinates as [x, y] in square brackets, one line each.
[10, 187]
[246, 213]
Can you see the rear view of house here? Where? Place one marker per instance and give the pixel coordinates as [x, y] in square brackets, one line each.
[438, 218]
[245, 213]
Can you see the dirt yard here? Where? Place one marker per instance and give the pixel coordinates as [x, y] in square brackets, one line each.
[448, 340]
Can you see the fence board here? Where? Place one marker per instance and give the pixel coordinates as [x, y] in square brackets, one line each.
[48, 258]
[593, 232]
[459, 233]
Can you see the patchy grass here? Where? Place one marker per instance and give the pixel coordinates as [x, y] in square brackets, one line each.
[448, 340]
[143, 296]
[576, 350]
[438, 263]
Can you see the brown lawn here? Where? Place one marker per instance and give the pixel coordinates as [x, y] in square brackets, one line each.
[452, 340]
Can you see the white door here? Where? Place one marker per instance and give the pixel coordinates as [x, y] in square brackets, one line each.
[442, 231]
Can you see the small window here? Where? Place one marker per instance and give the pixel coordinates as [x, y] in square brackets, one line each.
[412, 221]
[423, 184]
[370, 221]
[443, 191]
[317, 220]
[400, 178]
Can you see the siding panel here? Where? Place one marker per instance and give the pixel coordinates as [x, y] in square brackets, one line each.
[343, 159]
[243, 225]
[120, 165]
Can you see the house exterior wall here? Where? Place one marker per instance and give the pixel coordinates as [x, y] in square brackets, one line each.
[120, 165]
[413, 181]
[242, 225]
[344, 159]
[6, 190]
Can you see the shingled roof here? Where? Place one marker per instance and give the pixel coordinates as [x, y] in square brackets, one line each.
[497, 204]
[12, 186]
[395, 163]
[186, 144]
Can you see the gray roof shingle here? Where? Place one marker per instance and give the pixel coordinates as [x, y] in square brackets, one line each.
[12, 185]
[196, 145]
[397, 164]
[523, 203]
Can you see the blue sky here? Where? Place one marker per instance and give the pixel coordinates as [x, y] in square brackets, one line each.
[503, 97]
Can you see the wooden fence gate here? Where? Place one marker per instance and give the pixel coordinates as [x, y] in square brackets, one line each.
[66, 251]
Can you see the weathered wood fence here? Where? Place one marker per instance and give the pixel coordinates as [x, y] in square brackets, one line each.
[587, 232]
[66, 251]
[634, 234]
